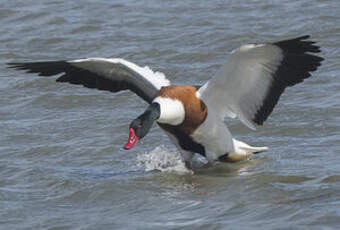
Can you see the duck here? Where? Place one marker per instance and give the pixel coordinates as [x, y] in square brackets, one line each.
[247, 86]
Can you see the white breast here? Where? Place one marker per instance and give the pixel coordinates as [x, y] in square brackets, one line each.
[214, 136]
[172, 111]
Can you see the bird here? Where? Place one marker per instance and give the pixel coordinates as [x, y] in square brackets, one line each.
[247, 86]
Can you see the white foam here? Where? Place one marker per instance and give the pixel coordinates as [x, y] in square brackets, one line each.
[163, 160]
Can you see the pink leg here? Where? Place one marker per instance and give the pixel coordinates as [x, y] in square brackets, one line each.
[208, 165]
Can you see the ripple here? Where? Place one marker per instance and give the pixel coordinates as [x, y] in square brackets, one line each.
[4, 13]
[85, 29]
[30, 16]
[61, 162]
[331, 179]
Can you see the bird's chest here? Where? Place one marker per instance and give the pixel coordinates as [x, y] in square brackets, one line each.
[214, 136]
[182, 112]
[183, 139]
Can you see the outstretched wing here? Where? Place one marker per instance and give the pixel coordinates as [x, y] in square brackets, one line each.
[104, 74]
[250, 84]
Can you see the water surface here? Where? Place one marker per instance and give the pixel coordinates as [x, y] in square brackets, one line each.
[61, 160]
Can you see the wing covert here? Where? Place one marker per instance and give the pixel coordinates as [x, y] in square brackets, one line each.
[251, 82]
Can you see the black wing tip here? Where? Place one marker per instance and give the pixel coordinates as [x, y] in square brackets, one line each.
[299, 45]
[298, 62]
[15, 65]
[299, 53]
[43, 68]
[20, 66]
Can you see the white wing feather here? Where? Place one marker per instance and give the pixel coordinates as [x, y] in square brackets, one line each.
[240, 87]
[157, 79]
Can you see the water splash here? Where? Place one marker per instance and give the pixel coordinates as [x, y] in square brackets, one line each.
[162, 159]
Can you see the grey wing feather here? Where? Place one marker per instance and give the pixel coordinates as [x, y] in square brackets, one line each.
[250, 84]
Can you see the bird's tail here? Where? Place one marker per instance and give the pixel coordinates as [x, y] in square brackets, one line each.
[241, 147]
[243, 151]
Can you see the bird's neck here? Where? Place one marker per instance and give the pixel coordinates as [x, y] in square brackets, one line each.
[151, 114]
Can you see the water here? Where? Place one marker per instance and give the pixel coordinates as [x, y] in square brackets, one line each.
[61, 160]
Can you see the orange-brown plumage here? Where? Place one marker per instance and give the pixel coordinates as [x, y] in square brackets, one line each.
[195, 109]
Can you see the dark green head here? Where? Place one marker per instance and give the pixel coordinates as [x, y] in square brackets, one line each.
[140, 126]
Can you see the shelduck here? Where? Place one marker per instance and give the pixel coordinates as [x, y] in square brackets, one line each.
[248, 86]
